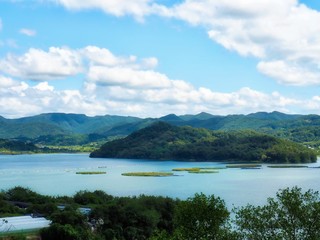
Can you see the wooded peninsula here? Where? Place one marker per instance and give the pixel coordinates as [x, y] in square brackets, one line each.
[163, 141]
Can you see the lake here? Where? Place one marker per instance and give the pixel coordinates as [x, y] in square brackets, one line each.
[55, 174]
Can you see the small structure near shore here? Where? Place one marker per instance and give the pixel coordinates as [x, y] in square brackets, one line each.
[22, 224]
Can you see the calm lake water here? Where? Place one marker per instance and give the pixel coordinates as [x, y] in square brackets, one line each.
[55, 174]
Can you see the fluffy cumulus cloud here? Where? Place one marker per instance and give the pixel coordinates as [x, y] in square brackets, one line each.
[119, 85]
[37, 64]
[283, 35]
[137, 8]
[128, 77]
[6, 82]
[290, 73]
[102, 56]
[20, 99]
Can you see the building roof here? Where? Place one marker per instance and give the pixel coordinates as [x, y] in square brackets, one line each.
[22, 223]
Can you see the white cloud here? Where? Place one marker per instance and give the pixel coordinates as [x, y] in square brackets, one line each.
[19, 99]
[6, 82]
[137, 8]
[102, 56]
[44, 86]
[120, 76]
[150, 62]
[28, 32]
[39, 65]
[99, 64]
[270, 30]
[290, 73]
[124, 85]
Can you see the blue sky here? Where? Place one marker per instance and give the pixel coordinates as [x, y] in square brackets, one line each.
[150, 58]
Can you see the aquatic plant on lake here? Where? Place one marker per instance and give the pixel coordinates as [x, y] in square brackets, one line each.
[186, 169]
[198, 169]
[212, 168]
[90, 173]
[204, 171]
[287, 166]
[148, 174]
[244, 166]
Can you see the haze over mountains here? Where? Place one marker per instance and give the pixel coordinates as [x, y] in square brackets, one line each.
[63, 128]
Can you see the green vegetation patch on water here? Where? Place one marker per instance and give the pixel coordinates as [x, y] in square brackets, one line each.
[244, 166]
[212, 168]
[204, 171]
[91, 173]
[288, 166]
[186, 169]
[197, 169]
[148, 174]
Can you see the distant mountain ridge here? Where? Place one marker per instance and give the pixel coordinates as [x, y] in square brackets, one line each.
[68, 128]
[59, 124]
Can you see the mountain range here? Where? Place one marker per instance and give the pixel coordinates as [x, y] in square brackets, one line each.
[73, 129]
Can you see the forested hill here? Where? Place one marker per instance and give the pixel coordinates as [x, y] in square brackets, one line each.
[12, 146]
[164, 141]
[62, 129]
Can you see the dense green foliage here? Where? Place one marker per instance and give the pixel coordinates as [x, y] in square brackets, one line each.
[8, 146]
[111, 217]
[59, 123]
[292, 215]
[62, 129]
[202, 218]
[164, 141]
[21, 147]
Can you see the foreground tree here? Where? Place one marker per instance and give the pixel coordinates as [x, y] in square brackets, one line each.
[201, 217]
[68, 224]
[292, 215]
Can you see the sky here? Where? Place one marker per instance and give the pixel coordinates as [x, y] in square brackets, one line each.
[150, 58]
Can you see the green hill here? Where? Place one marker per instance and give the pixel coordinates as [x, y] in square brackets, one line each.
[164, 141]
[62, 129]
[77, 123]
[12, 146]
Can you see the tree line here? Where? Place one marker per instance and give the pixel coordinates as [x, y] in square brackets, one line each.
[292, 214]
